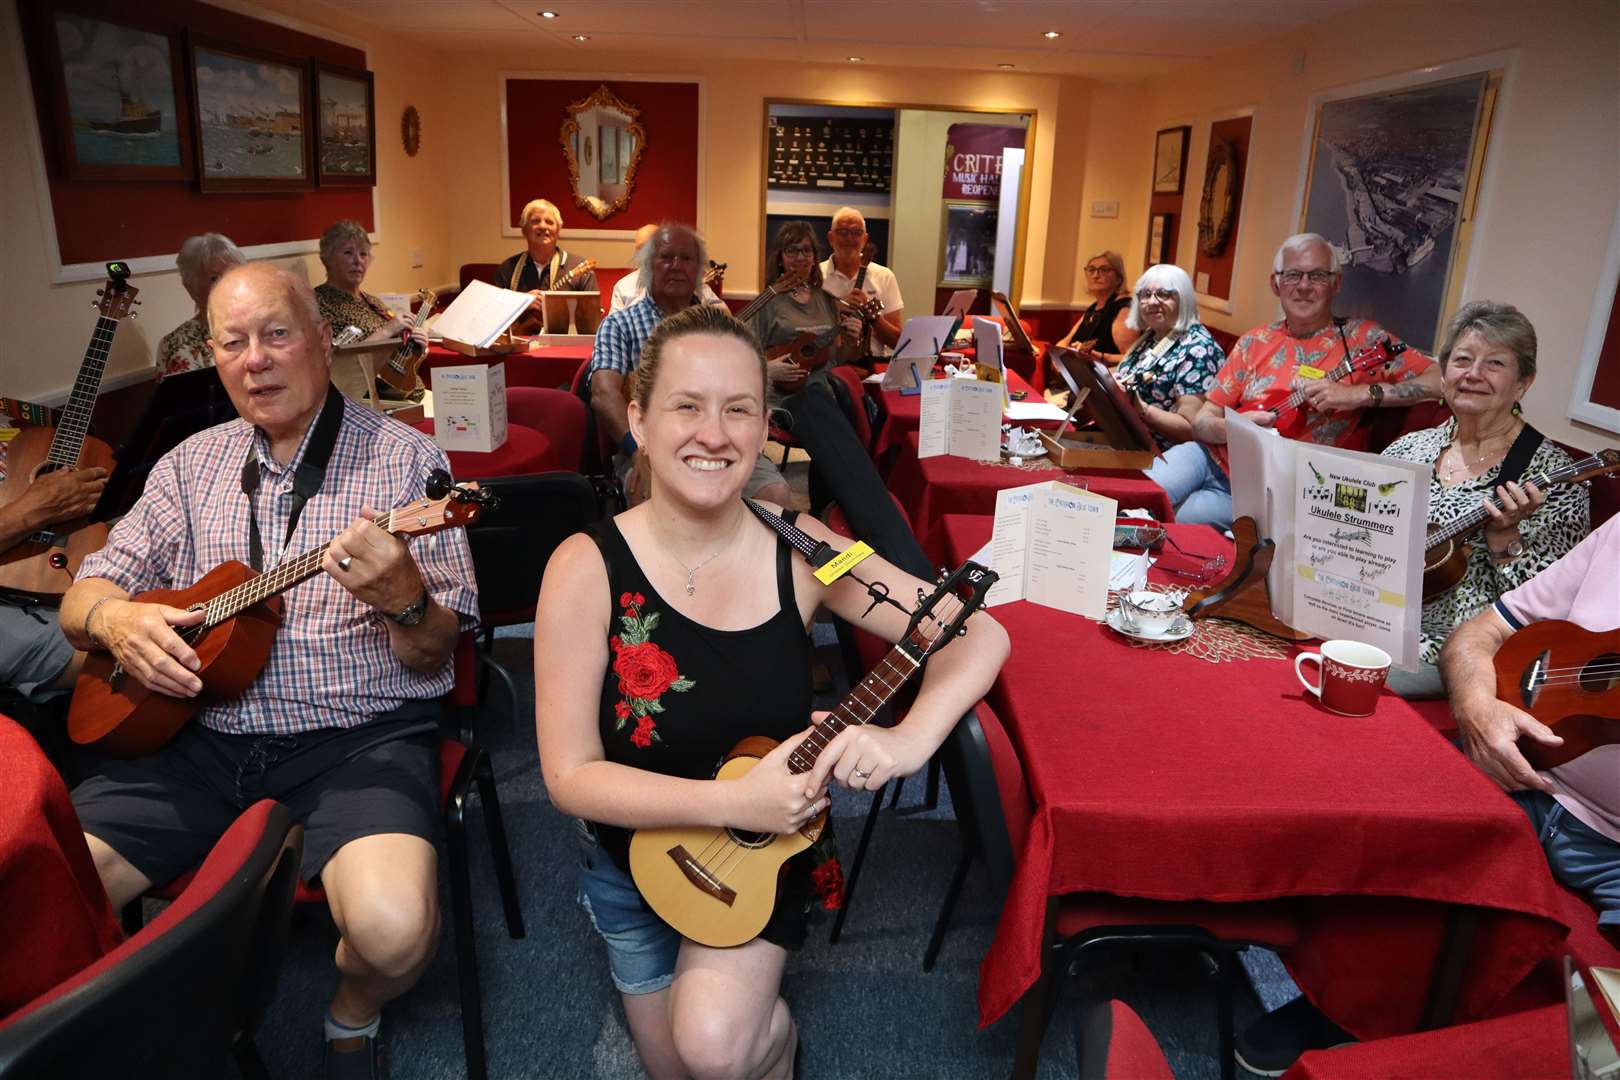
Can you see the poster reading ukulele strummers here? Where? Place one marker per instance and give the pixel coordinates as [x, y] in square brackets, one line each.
[1358, 547]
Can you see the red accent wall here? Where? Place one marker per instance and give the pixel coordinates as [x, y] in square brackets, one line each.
[666, 180]
[101, 220]
[1219, 268]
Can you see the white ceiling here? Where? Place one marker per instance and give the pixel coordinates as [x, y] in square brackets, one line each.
[1113, 38]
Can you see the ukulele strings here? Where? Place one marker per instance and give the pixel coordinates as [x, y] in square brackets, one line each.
[723, 855]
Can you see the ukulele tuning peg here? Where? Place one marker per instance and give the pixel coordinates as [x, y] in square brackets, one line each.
[438, 484]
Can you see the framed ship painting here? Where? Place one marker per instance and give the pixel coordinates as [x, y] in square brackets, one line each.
[346, 127]
[252, 118]
[113, 84]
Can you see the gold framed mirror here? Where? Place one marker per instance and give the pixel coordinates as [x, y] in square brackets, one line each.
[603, 140]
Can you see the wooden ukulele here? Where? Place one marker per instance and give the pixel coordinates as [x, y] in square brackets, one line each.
[717, 886]
[400, 371]
[1243, 595]
[1288, 405]
[784, 284]
[715, 277]
[1568, 678]
[118, 715]
[534, 322]
[43, 565]
[1445, 560]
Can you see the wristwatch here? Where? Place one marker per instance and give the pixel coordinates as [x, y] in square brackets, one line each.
[1514, 549]
[1375, 391]
[413, 614]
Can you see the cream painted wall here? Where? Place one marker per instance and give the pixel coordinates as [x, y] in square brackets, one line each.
[734, 121]
[1551, 188]
[48, 325]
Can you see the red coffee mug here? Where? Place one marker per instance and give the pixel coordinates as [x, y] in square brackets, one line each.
[1353, 675]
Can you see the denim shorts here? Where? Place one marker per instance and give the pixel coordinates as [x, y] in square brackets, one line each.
[642, 948]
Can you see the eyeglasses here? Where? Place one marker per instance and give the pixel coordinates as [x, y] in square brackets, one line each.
[1164, 296]
[850, 230]
[1105, 268]
[1294, 277]
[801, 251]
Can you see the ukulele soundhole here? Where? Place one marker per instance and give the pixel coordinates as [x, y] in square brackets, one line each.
[1601, 674]
[752, 840]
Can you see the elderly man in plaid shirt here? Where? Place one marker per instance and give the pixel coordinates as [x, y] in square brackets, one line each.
[341, 725]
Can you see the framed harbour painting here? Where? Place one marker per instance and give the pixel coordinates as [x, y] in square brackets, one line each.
[346, 126]
[113, 82]
[1389, 183]
[252, 118]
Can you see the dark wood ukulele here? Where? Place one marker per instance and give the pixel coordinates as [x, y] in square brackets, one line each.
[400, 371]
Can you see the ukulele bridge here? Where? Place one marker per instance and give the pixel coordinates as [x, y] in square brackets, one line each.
[1534, 676]
[699, 876]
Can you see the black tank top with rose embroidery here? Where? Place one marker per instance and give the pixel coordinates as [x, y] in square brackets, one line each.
[678, 695]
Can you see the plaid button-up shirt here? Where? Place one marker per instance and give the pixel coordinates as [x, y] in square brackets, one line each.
[622, 334]
[331, 664]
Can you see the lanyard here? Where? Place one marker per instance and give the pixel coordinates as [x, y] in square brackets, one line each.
[306, 478]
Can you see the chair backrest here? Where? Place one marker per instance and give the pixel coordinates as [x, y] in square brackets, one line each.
[988, 791]
[511, 545]
[859, 418]
[471, 272]
[557, 414]
[170, 1000]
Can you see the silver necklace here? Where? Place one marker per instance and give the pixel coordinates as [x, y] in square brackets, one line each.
[691, 571]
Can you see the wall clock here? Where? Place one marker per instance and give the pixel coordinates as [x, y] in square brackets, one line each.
[410, 130]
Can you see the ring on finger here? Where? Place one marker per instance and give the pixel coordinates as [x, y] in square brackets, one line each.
[343, 563]
[861, 774]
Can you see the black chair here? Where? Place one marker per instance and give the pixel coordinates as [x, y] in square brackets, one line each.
[511, 546]
[183, 994]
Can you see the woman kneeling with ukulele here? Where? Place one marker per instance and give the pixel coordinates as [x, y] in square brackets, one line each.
[669, 634]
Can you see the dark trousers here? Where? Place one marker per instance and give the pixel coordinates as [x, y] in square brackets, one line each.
[841, 468]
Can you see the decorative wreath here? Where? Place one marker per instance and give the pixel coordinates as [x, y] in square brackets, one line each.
[1215, 222]
[410, 130]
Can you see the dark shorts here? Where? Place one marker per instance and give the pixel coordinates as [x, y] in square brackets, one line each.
[164, 811]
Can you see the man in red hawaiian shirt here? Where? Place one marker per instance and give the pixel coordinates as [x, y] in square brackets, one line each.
[1297, 351]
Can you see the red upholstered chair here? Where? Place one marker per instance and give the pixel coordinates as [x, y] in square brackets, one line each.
[1112, 1043]
[607, 277]
[993, 811]
[184, 992]
[557, 414]
[471, 272]
[859, 418]
[462, 765]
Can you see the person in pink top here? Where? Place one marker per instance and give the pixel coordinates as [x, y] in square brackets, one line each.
[1575, 807]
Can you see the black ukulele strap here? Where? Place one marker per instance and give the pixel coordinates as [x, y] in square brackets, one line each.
[819, 553]
[307, 477]
[1519, 454]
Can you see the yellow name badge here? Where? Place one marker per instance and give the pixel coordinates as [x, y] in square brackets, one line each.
[843, 562]
[1305, 371]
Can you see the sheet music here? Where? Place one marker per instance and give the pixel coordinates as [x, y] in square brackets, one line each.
[481, 314]
[1033, 410]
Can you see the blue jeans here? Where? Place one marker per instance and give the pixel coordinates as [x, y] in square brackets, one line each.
[642, 948]
[1580, 857]
[1196, 485]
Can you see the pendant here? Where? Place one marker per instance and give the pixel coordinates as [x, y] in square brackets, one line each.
[691, 586]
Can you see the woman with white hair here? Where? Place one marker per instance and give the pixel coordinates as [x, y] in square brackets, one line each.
[346, 254]
[202, 261]
[1175, 359]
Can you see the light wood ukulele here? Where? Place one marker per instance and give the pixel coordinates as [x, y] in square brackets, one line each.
[717, 886]
[121, 716]
[43, 565]
[400, 371]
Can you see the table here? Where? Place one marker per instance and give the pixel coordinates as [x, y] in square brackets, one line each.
[551, 366]
[56, 918]
[932, 487]
[1526, 1044]
[904, 412]
[525, 451]
[1377, 828]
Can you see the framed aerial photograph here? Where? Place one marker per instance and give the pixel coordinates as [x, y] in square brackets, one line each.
[252, 118]
[346, 127]
[115, 108]
[1170, 160]
[969, 256]
[1386, 183]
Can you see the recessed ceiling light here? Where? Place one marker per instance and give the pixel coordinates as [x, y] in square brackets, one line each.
[548, 14]
[1004, 67]
[855, 59]
[582, 37]
[1052, 34]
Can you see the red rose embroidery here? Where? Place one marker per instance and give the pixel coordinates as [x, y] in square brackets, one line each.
[621, 709]
[638, 600]
[613, 642]
[829, 879]
[624, 599]
[644, 670]
[643, 735]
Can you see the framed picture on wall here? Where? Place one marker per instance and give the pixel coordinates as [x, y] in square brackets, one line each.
[251, 109]
[969, 235]
[1170, 160]
[1159, 232]
[112, 84]
[346, 127]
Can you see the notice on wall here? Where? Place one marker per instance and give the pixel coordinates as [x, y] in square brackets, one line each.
[961, 417]
[1359, 527]
[1052, 544]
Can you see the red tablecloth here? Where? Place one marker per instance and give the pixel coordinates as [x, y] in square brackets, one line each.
[54, 917]
[904, 412]
[552, 366]
[1167, 777]
[525, 451]
[1523, 1046]
[933, 487]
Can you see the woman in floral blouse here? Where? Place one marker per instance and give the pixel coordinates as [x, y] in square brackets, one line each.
[202, 261]
[1487, 363]
[1174, 358]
